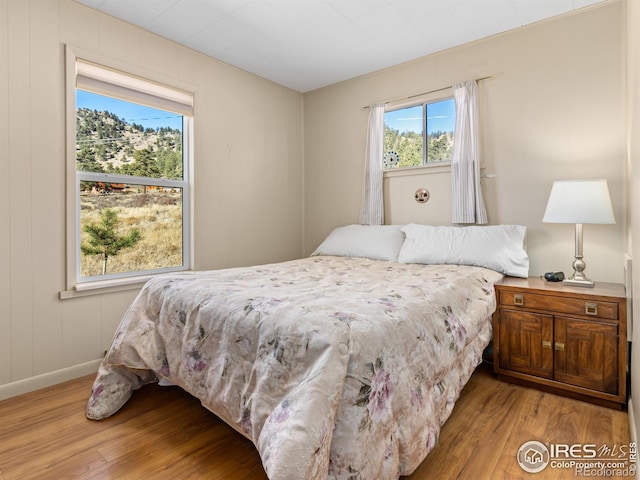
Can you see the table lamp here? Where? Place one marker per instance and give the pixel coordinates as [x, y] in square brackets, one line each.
[579, 202]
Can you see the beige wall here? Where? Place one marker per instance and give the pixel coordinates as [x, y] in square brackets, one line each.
[633, 143]
[553, 111]
[248, 179]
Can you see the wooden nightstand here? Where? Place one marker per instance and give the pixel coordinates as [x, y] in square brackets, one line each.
[567, 340]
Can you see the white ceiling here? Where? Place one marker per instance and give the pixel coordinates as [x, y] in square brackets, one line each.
[308, 44]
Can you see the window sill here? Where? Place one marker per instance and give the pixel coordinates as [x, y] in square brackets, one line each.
[105, 286]
[443, 167]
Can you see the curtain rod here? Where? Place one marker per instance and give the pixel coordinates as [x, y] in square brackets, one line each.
[427, 93]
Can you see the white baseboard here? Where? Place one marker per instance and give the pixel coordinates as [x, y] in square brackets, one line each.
[30, 384]
[628, 283]
[632, 421]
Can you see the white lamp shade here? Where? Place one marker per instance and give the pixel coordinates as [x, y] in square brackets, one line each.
[579, 201]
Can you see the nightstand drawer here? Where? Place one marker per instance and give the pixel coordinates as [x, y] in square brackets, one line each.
[572, 306]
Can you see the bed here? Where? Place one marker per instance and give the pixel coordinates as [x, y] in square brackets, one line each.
[342, 365]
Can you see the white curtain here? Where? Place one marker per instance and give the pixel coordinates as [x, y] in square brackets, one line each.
[468, 204]
[372, 212]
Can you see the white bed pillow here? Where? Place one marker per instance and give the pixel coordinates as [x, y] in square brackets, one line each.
[498, 247]
[377, 242]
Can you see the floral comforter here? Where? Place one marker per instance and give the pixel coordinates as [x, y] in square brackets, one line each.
[334, 367]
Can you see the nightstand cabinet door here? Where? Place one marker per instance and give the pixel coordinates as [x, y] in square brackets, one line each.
[586, 354]
[525, 342]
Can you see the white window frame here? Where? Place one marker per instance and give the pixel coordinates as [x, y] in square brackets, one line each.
[423, 100]
[89, 71]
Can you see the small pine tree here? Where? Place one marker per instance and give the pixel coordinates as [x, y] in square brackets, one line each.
[104, 239]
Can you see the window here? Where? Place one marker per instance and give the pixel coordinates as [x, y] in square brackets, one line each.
[130, 177]
[405, 144]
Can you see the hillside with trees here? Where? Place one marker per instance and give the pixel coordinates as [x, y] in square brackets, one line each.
[128, 227]
[106, 143]
[409, 146]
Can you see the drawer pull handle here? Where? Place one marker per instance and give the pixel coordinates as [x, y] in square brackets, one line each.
[559, 346]
[546, 344]
[518, 299]
[591, 308]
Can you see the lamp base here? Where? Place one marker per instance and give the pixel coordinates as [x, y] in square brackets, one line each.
[579, 279]
[579, 283]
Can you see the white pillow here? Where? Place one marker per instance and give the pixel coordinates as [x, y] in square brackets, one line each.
[377, 242]
[498, 247]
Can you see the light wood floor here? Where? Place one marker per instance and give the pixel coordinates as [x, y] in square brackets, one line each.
[163, 433]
